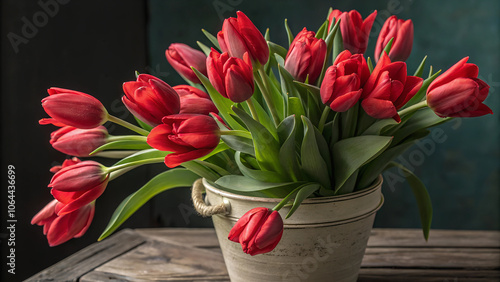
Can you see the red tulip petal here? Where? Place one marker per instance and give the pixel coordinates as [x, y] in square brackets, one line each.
[175, 159]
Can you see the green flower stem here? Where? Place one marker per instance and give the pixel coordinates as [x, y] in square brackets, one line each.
[323, 118]
[265, 89]
[112, 138]
[240, 133]
[136, 163]
[252, 109]
[128, 125]
[121, 172]
[413, 108]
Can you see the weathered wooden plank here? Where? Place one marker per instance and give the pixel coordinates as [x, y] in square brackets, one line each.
[385, 237]
[427, 275]
[159, 260]
[194, 237]
[433, 258]
[76, 265]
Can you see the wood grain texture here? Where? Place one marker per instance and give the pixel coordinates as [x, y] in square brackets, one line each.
[180, 254]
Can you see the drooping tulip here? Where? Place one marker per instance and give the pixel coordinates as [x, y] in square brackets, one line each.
[78, 142]
[187, 136]
[73, 108]
[150, 99]
[342, 86]
[458, 92]
[258, 231]
[61, 228]
[388, 89]
[231, 77]
[355, 31]
[306, 56]
[239, 36]
[194, 101]
[402, 32]
[182, 57]
[78, 185]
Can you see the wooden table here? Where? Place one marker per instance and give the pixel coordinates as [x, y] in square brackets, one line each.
[194, 255]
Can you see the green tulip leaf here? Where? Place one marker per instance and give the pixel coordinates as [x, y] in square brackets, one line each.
[322, 31]
[204, 48]
[303, 194]
[352, 153]
[421, 119]
[243, 185]
[239, 143]
[142, 155]
[420, 96]
[265, 145]
[261, 175]
[420, 70]
[212, 39]
[422, 197]
[287, 83]
[288, 33]
[315, 90]
[288, 155]
[123, 145]
[313, 159]
[176, 177]
[338, 43]
[143, 124]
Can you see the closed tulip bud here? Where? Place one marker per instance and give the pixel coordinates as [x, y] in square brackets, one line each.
[61, 228]
[187, 136]
[402, 32]
[78, 185]
[341, 87]
[78, 142]
[231, 77]
[182, 57]
[194, 101]
[306, 56]
[73, 108]
[258, 231]
[239, 36]
[388, 89]
[67, 162]
[458, 92]
[355, 31]
[150, 99]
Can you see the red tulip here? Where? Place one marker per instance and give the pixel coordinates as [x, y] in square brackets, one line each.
[78, 185]
[78, 142]
[306, 56]
[67, 162]
[239, 36]
[61, 228]
[194, 101]
[258, 231]
[355, 31]
[388, 89]
[150, 99]
[182, 57]
[187, 136]
[458, 92]
[402, 32]
[231, 77]
[74, 108]
[341, 87]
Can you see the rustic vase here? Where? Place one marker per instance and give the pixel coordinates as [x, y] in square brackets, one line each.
[324, 240]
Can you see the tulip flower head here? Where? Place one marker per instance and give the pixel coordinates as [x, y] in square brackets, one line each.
[194, 101]
[73, 108]
[188, 136]
[355, 31]
[306, 56]
[388, 89]
[458, 92]
[341, 87]
[258, 231]
[182, 57]
[402, 32]
[61, 228]
[239, 36]
[150, 99]
[231, 77]
[78, 184]
[78, 142]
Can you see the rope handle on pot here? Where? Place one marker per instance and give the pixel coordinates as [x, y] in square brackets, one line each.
[201, 207]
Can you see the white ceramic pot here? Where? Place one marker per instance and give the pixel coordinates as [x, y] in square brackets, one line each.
[324, 240]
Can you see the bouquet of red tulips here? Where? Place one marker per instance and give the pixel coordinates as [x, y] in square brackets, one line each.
[316, 119]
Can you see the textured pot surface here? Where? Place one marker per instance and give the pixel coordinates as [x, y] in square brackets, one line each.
[324, 240]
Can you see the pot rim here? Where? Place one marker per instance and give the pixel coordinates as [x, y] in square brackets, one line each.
[338, 198]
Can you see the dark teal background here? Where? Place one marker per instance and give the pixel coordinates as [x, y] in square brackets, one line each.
[460, 173]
